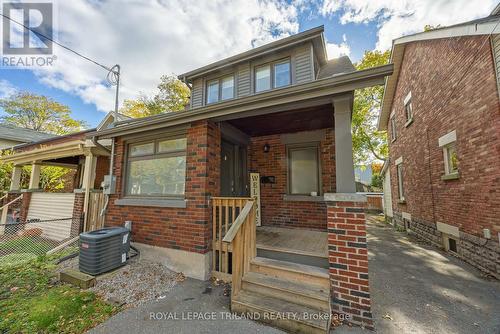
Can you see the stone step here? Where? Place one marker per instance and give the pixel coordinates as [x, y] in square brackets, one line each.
[276, 312]
[291, 271]
[288, 290]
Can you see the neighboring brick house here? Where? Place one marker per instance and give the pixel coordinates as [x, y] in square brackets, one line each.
[282, 110]
[441, 111]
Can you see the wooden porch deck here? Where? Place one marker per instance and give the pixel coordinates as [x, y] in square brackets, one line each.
[295, 241]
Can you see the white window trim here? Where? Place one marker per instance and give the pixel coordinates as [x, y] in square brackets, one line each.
[394, 134]
[406, 101]
[399, 179]
[448, 138]
[444, 142]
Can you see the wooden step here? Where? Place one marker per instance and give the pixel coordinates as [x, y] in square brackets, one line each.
[301, 293]
[291, 271]
[278, 313]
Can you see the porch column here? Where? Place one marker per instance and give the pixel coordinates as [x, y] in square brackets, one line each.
[88, 183]
[344, 165]
[348, 257]
[15, 183]
[35, 176]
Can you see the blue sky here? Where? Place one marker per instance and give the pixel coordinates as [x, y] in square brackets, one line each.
[180, 36]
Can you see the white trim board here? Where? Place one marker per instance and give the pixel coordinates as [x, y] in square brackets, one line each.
[448, 138]
[448, 229]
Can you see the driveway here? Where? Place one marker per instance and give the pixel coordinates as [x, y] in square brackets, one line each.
[415, 288]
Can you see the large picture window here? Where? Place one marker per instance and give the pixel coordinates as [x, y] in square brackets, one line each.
[156, 168]
[303, 169]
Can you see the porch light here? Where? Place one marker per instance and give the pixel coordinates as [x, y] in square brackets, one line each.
[266, 148]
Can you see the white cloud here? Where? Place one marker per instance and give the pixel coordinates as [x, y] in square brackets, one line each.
[336, 50]
[7, 89]
[396, 18]
[151, 38]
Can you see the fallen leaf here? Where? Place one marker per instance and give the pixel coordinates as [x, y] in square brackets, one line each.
[387, 316]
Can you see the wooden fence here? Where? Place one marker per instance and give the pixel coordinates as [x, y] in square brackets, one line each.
[96, 203]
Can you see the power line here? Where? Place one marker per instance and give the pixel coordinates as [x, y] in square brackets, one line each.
[61, 45]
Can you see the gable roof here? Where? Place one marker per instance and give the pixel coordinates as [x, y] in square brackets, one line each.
[483, 26]
[22, 135]
[314, 34]
[110, 119]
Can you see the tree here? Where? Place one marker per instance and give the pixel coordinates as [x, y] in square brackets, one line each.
[39, 113]
[368, 143]
[173, 95]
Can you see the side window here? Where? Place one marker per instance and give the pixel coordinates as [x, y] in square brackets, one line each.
[273, 75]
[408, 109]
[448, 143]
[399, 169]
[393, 128]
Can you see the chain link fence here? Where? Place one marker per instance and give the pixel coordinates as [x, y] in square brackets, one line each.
[23, 241]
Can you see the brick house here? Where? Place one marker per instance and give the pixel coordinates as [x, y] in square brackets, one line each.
[442, 114]
[253, 182]
[265, 141]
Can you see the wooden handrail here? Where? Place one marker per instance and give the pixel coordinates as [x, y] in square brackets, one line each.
[14, 200]
[238, 222]
[242, 237]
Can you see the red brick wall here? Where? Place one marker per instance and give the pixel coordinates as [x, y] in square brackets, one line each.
[188, 228]
[431, 70]
[275, 211]
[102, 168]
[348, 256]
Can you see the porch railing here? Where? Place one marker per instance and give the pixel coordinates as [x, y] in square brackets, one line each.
[5, 211]
[225, 210]
[242, 237]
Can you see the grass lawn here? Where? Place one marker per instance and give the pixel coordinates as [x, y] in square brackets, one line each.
[31, 302]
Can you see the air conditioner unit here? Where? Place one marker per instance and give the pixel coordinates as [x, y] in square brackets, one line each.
[104, 250]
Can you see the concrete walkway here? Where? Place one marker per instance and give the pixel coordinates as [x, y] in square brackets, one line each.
[415, 289]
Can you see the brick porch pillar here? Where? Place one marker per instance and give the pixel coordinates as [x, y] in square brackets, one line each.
[348, 255]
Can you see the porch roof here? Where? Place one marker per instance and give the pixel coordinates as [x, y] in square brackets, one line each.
[78, 147]
[322, 88]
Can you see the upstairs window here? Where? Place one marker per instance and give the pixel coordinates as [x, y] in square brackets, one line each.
[451, 159]
[262, 78]
[399, 170]
[212, 91]
[220, 89]
[273, 75]
[408, 109]
[282, 74]
[393, 128]
[448, 143]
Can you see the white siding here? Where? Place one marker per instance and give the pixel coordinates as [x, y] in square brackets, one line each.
[387, 193]
[48, 206]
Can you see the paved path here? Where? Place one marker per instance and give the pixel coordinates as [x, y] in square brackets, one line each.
[417, 288]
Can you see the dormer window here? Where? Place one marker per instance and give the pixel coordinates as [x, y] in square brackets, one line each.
[220, 89]
[273, 75]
